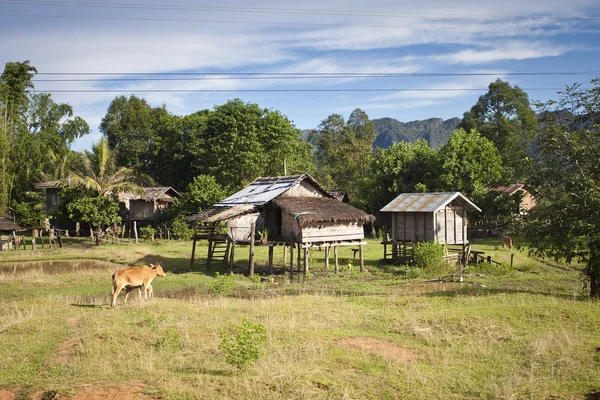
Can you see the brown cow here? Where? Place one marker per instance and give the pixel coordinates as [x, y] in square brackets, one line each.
[507, 241]
[134, 278]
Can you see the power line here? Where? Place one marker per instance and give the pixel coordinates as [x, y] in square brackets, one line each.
[273, 90]
[465, 29]
[199, 76]
[354, 13]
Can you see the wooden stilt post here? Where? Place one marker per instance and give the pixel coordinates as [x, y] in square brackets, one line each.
[298, 258]
[327, 250]
[335, 257]
[135, 233]
[512, 257]
[33, 243]
[211, 247]
[42, 238]
[362, 260]
[59, 238]
[306, 260]
[251, 265]
[284, 253]
[292, 260]
[232, 258]
[193, 252]
[270, 260]
[227, 250]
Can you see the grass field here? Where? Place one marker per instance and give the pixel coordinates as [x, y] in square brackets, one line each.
[529, 332]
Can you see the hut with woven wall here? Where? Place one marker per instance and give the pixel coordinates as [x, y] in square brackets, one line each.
[293, 211]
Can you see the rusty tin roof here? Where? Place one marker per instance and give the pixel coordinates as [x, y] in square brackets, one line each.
[426, 202]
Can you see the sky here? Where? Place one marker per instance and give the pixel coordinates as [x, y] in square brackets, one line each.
[309, 59]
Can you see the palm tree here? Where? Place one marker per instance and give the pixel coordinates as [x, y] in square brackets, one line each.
[99, 173]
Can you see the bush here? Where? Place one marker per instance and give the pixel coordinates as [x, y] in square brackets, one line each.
[147, 232]
[223, 284]
[430, 258]
[242, 344]
[181, 229]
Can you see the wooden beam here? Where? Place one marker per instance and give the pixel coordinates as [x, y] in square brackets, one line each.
[299, 256]
[305, 261]
[362, 261]
[270, 260]
[292, 260]
[335, 257]
[327, 250]
[232, 257]
[394, 240]
[252, 233]
[193, 251]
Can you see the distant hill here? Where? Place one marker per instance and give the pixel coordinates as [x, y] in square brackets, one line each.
[436, 131]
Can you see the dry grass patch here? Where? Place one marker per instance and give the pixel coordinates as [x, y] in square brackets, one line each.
[383, 348]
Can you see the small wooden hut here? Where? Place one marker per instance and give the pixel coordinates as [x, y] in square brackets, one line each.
[527, 202]
[432, 217]
[289, 210]
[149, 207]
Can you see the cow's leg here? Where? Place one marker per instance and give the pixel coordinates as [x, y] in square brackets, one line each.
[116, 290]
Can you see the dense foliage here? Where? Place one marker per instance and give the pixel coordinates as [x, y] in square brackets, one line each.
[566, 181]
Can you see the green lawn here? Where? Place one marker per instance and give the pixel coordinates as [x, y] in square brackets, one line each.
[527, 332]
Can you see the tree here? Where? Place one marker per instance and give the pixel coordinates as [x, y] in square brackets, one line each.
[343, 152]
[504, 116]
[131, 125]
[203, 192]
[15, 82]
[246, 141]
[101, 179]
[470, 163]
[403, 168]
[565, 223]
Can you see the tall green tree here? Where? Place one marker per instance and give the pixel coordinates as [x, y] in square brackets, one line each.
[15, 82]
[344, 150]
[565, 223]
[469, 164]
[132, 125]
[404, 168]
[504, 116]
[246, 141]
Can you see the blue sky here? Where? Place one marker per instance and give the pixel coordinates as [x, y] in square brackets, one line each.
[484, 40]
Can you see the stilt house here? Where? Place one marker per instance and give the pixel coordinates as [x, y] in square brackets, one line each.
[432, 217]
[286, 210]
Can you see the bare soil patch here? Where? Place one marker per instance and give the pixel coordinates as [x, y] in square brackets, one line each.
[380, 347]
[122, 392]
[7, 395]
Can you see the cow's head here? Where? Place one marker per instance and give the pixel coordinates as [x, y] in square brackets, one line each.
[159, 269]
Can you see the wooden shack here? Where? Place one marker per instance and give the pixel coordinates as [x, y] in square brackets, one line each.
[290, 211]
[527, 201]
[432, 217]
[149, 207]
[52, 191]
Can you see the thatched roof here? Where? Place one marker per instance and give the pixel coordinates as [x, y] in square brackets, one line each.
[151, 194]
[7, 225]
[321, 209]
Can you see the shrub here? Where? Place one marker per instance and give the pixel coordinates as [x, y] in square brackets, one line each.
[223, 284]
[181, 229]
[428, 255]
[242, 344]
[147, 232]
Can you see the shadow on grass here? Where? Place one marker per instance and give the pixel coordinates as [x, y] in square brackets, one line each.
[479, 292]
[96, 306]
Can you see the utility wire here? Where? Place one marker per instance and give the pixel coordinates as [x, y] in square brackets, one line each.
[263, 10]
[199, 76]
[465, 29]
[273, 90]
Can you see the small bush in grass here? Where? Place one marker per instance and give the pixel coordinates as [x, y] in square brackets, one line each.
[223, 284]
[242, 344]
[410, 272]
[492, 269]
[181, 229]
[429, 256]
[147, 232]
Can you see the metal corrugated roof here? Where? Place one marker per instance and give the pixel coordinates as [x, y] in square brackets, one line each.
[511, 189]
[263, 190]
[426, 202]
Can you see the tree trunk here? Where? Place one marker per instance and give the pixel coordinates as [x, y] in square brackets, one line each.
[593, 269]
